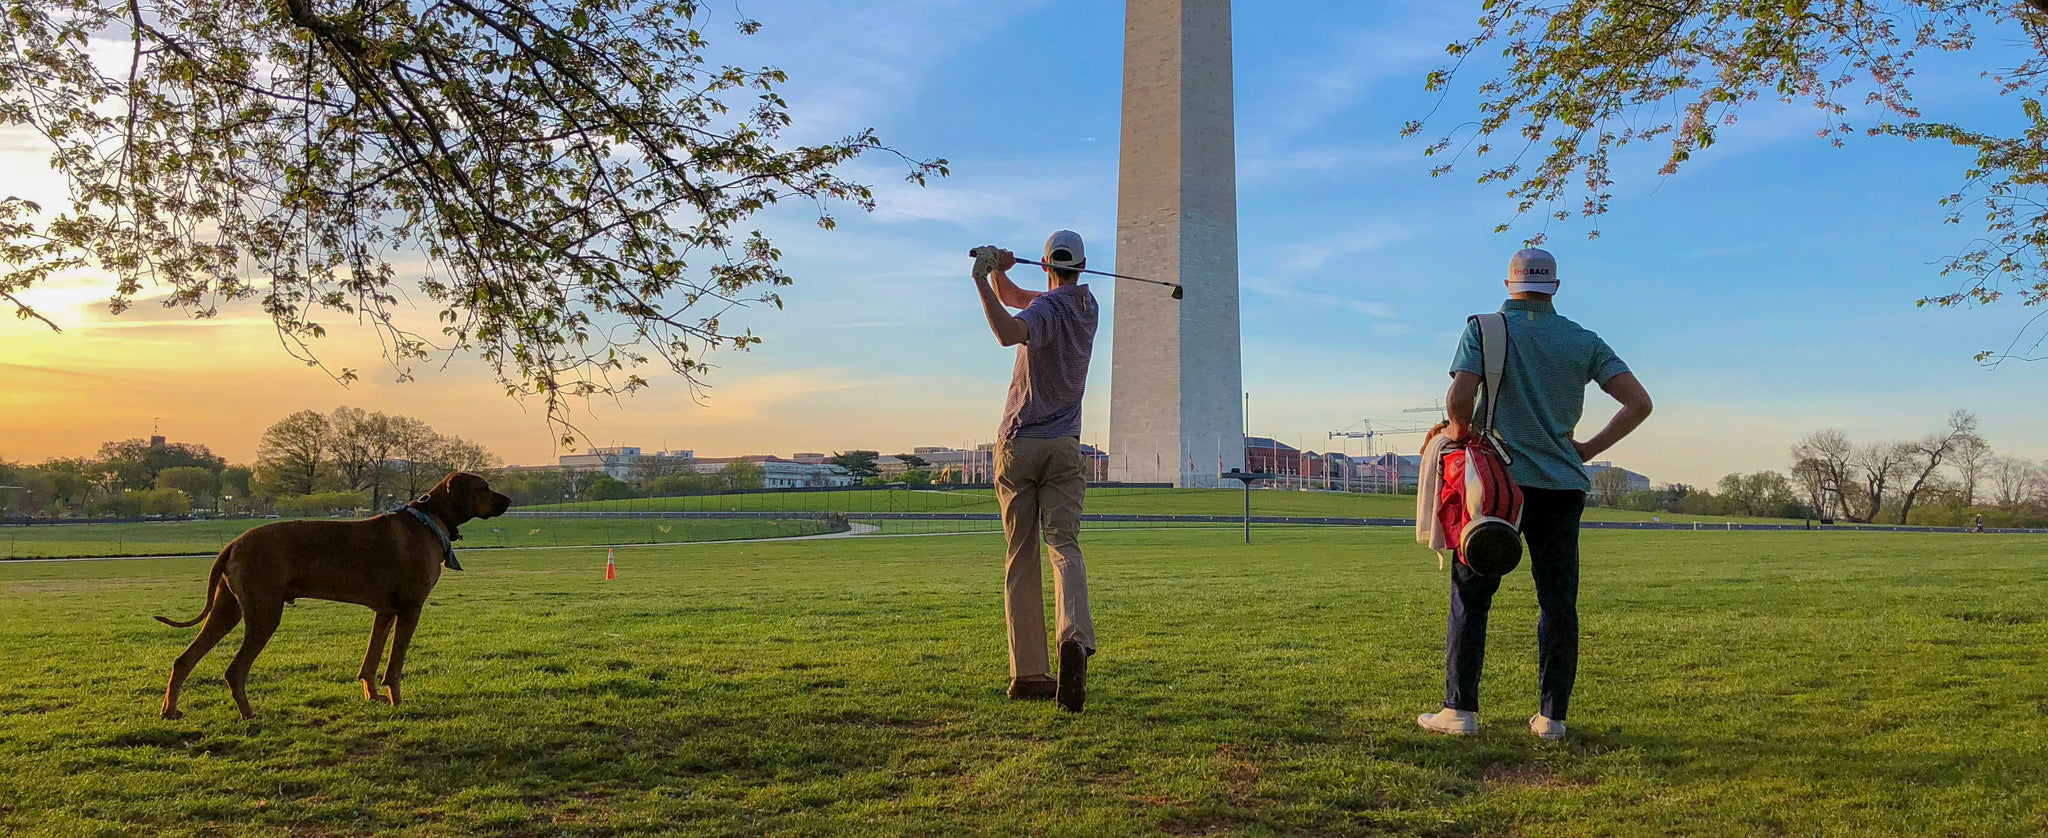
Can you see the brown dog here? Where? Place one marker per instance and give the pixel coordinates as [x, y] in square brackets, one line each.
[388, 563]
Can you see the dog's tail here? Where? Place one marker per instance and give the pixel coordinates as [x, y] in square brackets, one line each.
[213, 584]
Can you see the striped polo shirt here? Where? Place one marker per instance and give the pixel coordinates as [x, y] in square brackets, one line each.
[1543, 390]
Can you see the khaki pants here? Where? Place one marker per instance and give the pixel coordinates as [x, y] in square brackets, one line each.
[1039, 484]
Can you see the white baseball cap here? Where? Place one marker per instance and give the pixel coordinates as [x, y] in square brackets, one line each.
[1532, 271]
[1063, 249]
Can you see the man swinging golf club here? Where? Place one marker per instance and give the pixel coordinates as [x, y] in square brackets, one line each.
[1040, 472]
[1543, 392]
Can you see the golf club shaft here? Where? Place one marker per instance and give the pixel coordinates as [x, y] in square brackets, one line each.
[1101, 273]
[1023, 261]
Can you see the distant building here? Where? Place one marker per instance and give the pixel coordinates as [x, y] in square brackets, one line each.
[1265, 455]
[780, 473]
[1293, 466]
[1099, 460]
[1636, 482]
[977, 464]
[968, 465]
[617, 462]
[1402, 470]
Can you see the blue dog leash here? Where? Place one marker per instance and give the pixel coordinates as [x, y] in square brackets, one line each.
[447, 546]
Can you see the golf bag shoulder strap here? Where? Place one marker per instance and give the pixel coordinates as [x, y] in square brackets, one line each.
[1493, 347]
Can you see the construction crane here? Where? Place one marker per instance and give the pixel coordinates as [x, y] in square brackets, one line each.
[1436, 407]
[1370, 433]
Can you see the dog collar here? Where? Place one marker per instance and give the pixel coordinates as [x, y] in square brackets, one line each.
[447, 547]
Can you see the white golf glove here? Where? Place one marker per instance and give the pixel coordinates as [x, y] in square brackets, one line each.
[986, 258]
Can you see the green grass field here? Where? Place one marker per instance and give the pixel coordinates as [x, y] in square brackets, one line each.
[169, 538]
[184, 537]
[1101, 501]
[1733, 684]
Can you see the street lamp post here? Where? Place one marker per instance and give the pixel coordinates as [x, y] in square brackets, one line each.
[1246, 478]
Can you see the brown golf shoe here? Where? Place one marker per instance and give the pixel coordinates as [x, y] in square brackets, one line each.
[1073, 675]
[1033, 688]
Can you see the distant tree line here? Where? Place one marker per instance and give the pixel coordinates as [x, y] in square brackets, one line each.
[353, 458]
[1764, 494]
[649, 477]
[308, 464]
[1945, 478]
[129, 478]
[865, 466]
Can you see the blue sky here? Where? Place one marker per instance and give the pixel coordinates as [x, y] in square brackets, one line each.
[1765, 291]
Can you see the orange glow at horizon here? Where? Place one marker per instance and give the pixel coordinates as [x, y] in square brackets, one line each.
[221, 382]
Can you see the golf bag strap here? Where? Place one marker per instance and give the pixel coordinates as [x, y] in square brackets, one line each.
[1493, 347]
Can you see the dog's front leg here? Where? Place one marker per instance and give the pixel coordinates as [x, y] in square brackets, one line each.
[407, 620]
[379, 630]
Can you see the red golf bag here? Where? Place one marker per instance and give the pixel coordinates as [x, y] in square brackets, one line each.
[1478, 507]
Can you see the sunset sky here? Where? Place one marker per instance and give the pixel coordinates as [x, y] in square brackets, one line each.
[1764, 292]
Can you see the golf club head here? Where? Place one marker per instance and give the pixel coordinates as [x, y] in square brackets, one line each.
[1176, 292]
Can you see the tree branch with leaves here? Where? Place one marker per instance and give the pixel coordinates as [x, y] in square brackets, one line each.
[1586, 79]
[572, 185]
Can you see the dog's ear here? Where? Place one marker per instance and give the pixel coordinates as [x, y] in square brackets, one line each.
[441, 499]
[468, 497]
[448, 501]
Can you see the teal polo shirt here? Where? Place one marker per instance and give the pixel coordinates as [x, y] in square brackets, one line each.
[1543, 390]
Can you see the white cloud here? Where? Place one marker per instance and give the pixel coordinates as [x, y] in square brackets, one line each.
[852, 63]
[1313, 256]
[1276, 163]
[1327, 79]
[1004, 197]
[1290, 277]
[1318, 298]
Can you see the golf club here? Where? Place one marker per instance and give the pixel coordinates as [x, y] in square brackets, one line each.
[1023, 261]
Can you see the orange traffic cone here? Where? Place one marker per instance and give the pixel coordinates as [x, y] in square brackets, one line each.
[611, 565]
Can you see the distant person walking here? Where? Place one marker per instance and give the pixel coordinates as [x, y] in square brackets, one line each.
[1980, 523]
[1543, 393]
[1041, 475]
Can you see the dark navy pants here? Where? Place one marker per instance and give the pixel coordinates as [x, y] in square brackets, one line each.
[1550, 526]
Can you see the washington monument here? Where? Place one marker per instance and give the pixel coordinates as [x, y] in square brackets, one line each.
[1176, 372]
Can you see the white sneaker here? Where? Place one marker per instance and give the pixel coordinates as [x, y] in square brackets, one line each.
[1546, 728]
[1453, 722]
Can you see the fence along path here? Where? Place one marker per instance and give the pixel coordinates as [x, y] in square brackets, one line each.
[1696, 526]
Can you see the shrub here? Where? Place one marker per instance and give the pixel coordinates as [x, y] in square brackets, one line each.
[607, 487]
[131, 503]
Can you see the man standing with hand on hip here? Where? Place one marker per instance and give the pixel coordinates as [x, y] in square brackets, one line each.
[1550, 360]
[1040, 473]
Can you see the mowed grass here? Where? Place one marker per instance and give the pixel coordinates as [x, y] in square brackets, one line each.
[1733, 684]
[171, 538]
[1104, 500]
[186, 537]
